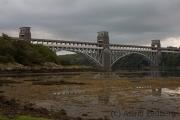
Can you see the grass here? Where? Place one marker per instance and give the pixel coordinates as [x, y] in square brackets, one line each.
[3, 118]
[22, 118]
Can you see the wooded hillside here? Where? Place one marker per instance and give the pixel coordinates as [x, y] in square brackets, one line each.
[25, 53]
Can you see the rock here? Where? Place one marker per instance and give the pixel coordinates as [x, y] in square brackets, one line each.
[51, 65]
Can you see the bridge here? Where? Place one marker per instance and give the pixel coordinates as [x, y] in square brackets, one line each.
[101, 52]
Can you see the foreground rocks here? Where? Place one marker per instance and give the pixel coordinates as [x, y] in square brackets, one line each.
[11, 108]
[16, 66]
[50, 68]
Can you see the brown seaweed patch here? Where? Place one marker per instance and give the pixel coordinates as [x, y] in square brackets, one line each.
[56, 83]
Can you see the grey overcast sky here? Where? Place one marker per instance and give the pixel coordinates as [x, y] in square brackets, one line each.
[135, 22]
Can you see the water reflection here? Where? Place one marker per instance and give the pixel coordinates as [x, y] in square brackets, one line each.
[155, 74]
[106, 75]
[151, 74]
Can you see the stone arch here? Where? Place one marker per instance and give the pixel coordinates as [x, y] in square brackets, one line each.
[147, 59]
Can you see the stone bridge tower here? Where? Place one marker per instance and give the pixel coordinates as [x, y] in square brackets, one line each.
[156, 45]
[103, 38]
[25, 33]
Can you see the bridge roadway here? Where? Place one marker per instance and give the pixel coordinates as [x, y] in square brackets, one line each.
[91, 45]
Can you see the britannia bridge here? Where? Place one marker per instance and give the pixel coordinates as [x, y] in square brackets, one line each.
[101, 52]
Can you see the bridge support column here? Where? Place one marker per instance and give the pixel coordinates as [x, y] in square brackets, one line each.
[103, 39]
[156, 45]
[106, 65]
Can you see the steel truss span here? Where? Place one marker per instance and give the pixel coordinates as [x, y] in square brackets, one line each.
[94, 51]
[93, 54]
[149, 57]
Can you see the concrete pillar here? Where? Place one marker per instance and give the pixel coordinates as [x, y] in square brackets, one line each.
[103, 39]
[156, 45]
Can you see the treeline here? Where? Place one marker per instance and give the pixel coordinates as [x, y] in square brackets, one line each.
[75, 59]
[170, 59]
[25, 53]
[137, 61]
[130, 61]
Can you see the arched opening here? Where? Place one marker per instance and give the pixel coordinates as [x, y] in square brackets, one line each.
[77, 59]
[131, 61]
[64, 52]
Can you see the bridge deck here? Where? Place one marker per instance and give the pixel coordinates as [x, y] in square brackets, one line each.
[92, 45]
[71, 46]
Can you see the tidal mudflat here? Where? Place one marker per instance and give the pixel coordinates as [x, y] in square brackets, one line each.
[97, 98]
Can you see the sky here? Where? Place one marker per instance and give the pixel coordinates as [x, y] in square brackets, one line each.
[133, 22]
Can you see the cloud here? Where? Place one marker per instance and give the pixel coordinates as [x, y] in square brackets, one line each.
[128, 22]
[172, 42]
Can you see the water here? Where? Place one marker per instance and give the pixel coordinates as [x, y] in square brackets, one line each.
[121, 95]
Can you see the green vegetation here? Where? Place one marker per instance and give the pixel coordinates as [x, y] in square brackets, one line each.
[3, 118]
[75, 60]
[170, 60]
[130, 61]
[23, 118]
[136, 61]
[25, 53]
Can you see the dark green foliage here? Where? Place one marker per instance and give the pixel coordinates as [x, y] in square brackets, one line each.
[64, 61]
[47, 54]
[137, 61]
[170, 60]
[24, 52]
[130, 61]
[75, 59]
[7, 50]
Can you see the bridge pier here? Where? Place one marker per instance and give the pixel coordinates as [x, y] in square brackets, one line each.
[106, 65]
[156, 45]
[103, 39]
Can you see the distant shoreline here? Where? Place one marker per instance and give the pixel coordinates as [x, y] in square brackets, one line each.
[44, 72]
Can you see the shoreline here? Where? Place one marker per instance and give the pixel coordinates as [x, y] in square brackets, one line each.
[45, 72]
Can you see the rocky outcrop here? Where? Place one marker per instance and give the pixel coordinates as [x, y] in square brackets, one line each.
[16, 66]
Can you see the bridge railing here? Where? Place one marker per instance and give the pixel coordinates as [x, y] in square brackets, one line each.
[70, 46]
[170, 49]
[131, 47]
[65, 42]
